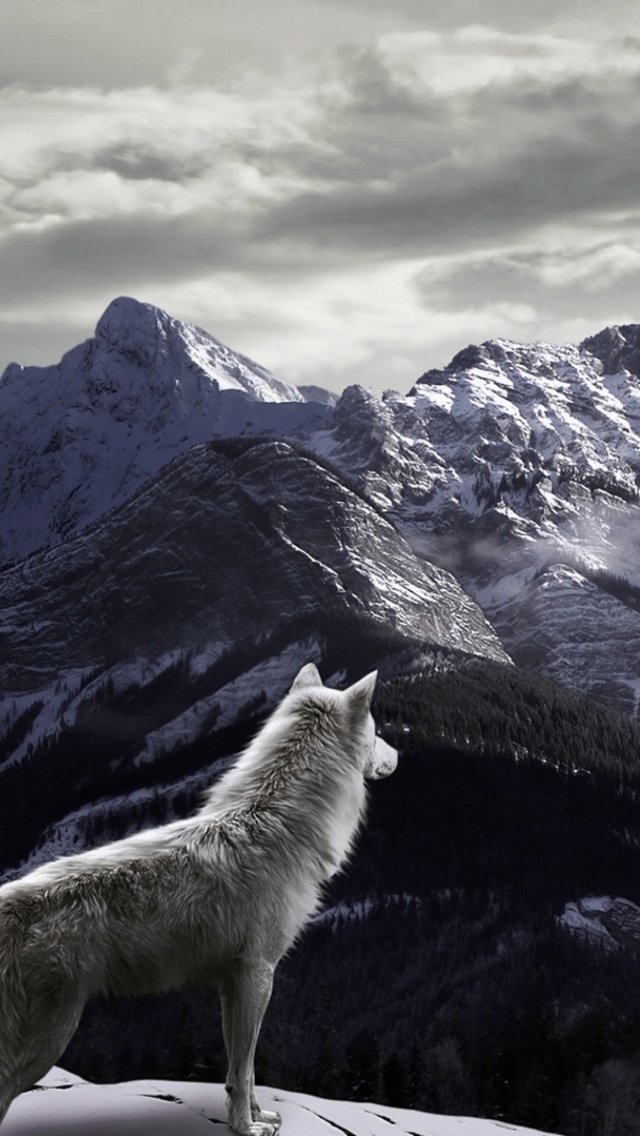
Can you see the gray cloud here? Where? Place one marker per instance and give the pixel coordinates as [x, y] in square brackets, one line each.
[106, 251]
[375, 91]
[159, 42]
[383, 204]
[140, 163]
[464, 166]
[576, 279]
[517, 17]
[415, 193]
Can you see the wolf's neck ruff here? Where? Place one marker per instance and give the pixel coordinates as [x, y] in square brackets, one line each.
[313, 798]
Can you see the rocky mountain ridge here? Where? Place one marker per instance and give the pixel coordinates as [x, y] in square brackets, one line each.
[157, 541]
[545, 517]
[517, 467]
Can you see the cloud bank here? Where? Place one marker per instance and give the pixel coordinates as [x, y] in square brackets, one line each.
[355, 216]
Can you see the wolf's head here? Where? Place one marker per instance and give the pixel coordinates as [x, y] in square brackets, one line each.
[378, 759]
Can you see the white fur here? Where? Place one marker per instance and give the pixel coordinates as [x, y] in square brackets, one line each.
[217, 898]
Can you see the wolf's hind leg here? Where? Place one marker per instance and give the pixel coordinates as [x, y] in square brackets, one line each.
[44, 1036]
[245, 993]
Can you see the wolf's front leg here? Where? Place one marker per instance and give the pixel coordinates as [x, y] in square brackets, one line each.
[245, 993]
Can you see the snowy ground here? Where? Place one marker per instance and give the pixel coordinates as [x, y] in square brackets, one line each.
[187, 1108]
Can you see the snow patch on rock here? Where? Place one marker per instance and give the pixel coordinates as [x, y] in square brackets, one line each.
[62, 1103]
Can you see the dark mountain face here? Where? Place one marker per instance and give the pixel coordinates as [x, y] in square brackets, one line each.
[617, 348]
[223, 547]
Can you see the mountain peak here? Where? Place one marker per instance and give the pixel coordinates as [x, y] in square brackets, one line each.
[617, 347]
[146, 336]
[134, 329]
[475, 357]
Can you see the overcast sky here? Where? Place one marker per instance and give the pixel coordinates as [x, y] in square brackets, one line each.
[345, 190]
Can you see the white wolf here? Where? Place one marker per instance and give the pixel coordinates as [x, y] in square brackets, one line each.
[216, 898]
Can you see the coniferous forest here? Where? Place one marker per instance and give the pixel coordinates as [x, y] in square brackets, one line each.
[439, 975]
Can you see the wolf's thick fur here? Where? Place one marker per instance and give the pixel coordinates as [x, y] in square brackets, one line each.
[217, 898]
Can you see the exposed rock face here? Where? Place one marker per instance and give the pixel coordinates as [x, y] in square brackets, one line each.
[610, 922]
[617, 348]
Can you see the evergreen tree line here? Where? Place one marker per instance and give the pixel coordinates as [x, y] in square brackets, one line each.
[94, 758]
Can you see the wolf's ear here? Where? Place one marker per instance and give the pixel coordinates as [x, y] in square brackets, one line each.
[358, 697]
[308, 676]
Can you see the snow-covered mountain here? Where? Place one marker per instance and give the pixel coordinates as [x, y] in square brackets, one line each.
[189, 1108]
[543, 506]
[79, 437]
[517, 467]
[223, 546]
[165, 543]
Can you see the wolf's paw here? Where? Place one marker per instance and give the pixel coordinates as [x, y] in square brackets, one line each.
[265, 1127]
[263, 1124]
[266, 1123]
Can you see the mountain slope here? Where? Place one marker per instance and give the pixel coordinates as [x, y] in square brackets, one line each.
[152, 633]
[158, 573]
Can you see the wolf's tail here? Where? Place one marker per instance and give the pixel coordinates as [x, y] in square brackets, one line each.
[13, 1006]
[13, 996]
